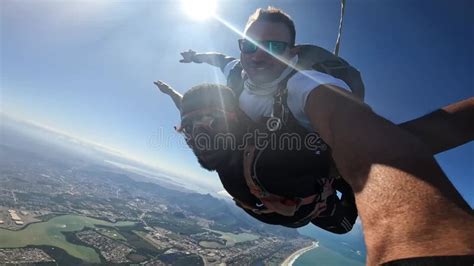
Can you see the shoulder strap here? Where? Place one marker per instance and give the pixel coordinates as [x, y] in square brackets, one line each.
[235, 80]
[280, 112]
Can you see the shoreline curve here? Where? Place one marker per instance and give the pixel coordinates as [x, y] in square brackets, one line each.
[292, 258]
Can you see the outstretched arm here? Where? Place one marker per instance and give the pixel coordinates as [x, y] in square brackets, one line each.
[405, 201]
[211, 58]
[445, 128]
[166, 89]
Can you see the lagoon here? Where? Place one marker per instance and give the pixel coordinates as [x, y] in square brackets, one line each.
[50, 234]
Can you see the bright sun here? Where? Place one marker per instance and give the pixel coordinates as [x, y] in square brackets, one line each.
[199, 9]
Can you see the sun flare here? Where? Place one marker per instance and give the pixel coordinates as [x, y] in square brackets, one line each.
[199, 9]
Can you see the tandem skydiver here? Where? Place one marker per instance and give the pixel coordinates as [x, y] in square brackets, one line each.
[405, 201]
[289, 182]
[303, 167]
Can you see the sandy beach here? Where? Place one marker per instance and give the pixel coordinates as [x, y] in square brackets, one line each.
[291, 259]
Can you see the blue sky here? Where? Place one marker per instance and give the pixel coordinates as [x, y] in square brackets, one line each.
[87, 67]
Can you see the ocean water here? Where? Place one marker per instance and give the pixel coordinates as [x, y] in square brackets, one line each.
[325, 256]
[348, 249]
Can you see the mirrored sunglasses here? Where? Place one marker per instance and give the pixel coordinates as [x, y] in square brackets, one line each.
[208, 122]
[274, 47]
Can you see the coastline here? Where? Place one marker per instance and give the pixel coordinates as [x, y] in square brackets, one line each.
[292, 258]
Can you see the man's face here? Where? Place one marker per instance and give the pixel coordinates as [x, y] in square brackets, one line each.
[205, 133]
[261, 67]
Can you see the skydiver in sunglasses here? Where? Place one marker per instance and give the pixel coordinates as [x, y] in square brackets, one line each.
[271, 65]
[271, 80]
[275, 183]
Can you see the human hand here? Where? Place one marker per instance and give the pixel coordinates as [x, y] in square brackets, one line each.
[165, 88]
[188, 56]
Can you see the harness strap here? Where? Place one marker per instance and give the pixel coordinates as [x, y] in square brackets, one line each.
[280, 110]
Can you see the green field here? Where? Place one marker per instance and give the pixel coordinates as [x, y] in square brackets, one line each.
[210, 244]
[49, 234]
[232, 239]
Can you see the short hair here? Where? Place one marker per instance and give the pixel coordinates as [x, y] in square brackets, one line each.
[273, 14]
[208, 95]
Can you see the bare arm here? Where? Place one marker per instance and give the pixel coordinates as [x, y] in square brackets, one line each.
[211, 58]
[445, 128]
[166, 89]
[405, 201]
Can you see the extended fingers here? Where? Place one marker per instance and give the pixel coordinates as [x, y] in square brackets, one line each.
[160, 84]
